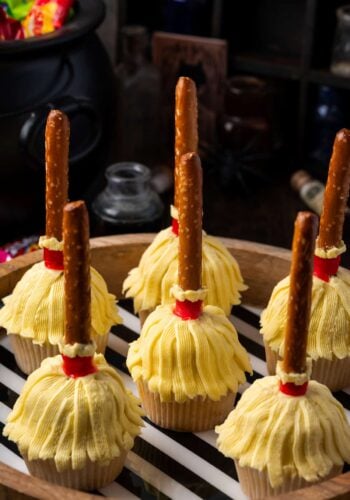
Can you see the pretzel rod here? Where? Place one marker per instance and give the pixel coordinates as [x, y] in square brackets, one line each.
[186, 124]
[299, 300]
[190, 222]
[336, 194]
[76, 273]
[56, 155]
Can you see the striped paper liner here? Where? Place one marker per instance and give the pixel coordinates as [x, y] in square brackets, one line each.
[163, 464]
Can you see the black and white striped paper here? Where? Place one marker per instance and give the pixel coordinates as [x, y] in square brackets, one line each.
[163, 464]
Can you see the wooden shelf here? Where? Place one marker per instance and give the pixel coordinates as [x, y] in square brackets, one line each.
[267, 66]
[325, 77]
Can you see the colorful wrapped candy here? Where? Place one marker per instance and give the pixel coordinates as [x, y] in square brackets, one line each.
[10, 29]
[46, 16]
[17, 9]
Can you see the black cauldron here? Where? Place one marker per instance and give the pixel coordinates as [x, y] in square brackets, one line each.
[69, 70]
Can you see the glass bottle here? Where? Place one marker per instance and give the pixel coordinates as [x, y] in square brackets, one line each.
[128, 204]
[341, 48]
[311, 190]
[138, 100]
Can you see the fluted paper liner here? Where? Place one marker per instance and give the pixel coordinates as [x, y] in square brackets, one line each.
[194, 415]
[92, 477]
[256, 485]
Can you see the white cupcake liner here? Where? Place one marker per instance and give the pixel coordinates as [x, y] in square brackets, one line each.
[194, 415]
[92, 476]
[256, 484]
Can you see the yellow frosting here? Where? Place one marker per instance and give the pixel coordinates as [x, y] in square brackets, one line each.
[50, 243]
[329, 330]
[35, 309]
[69, 420]
[190, 295]
[74, 350]
[294, 378]
[330, 253]
[181, 359]
[286, 436]
[149, 284]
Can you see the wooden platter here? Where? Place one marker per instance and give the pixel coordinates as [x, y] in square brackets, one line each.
[262, 267]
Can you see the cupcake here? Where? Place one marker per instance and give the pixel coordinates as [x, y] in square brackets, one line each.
[288, 432]
[329, 331]
[149, 284]
[33, 314]
[74, 421]
[188, 362]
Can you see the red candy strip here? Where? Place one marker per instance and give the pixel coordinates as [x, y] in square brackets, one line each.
[53, 259]
[325, 268]
[175, 226]
[187, 309]
[78, 366]
[292, 389]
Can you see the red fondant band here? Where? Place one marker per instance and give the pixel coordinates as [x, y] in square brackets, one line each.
[53, 259]
[175, 226]
[78, 366]
[292, 389]
[188, 310]
[325, 268]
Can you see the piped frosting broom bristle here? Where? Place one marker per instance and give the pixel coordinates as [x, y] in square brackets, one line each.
[329, 332]
[34, 311]
[286, 431]
[150, 283]
[74, 411]
[187, 351]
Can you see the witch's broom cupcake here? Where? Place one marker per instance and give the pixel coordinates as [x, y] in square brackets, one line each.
[329, 331]
[33, 314]
[74, 420]
[188, 362]
[149, 284]
[288, 432]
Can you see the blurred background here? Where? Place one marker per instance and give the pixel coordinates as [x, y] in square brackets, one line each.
[273, 82]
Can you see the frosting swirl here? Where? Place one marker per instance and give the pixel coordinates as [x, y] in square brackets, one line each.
[50, 243]
[181, 359]
[286, 436]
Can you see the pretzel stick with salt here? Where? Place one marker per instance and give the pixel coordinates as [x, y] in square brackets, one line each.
[186, 124]
[190, 222]
[76, 253]
[56, 156]
[299, 300]
[336, 194]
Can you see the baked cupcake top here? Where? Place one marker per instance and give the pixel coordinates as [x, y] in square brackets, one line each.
[72, 419]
